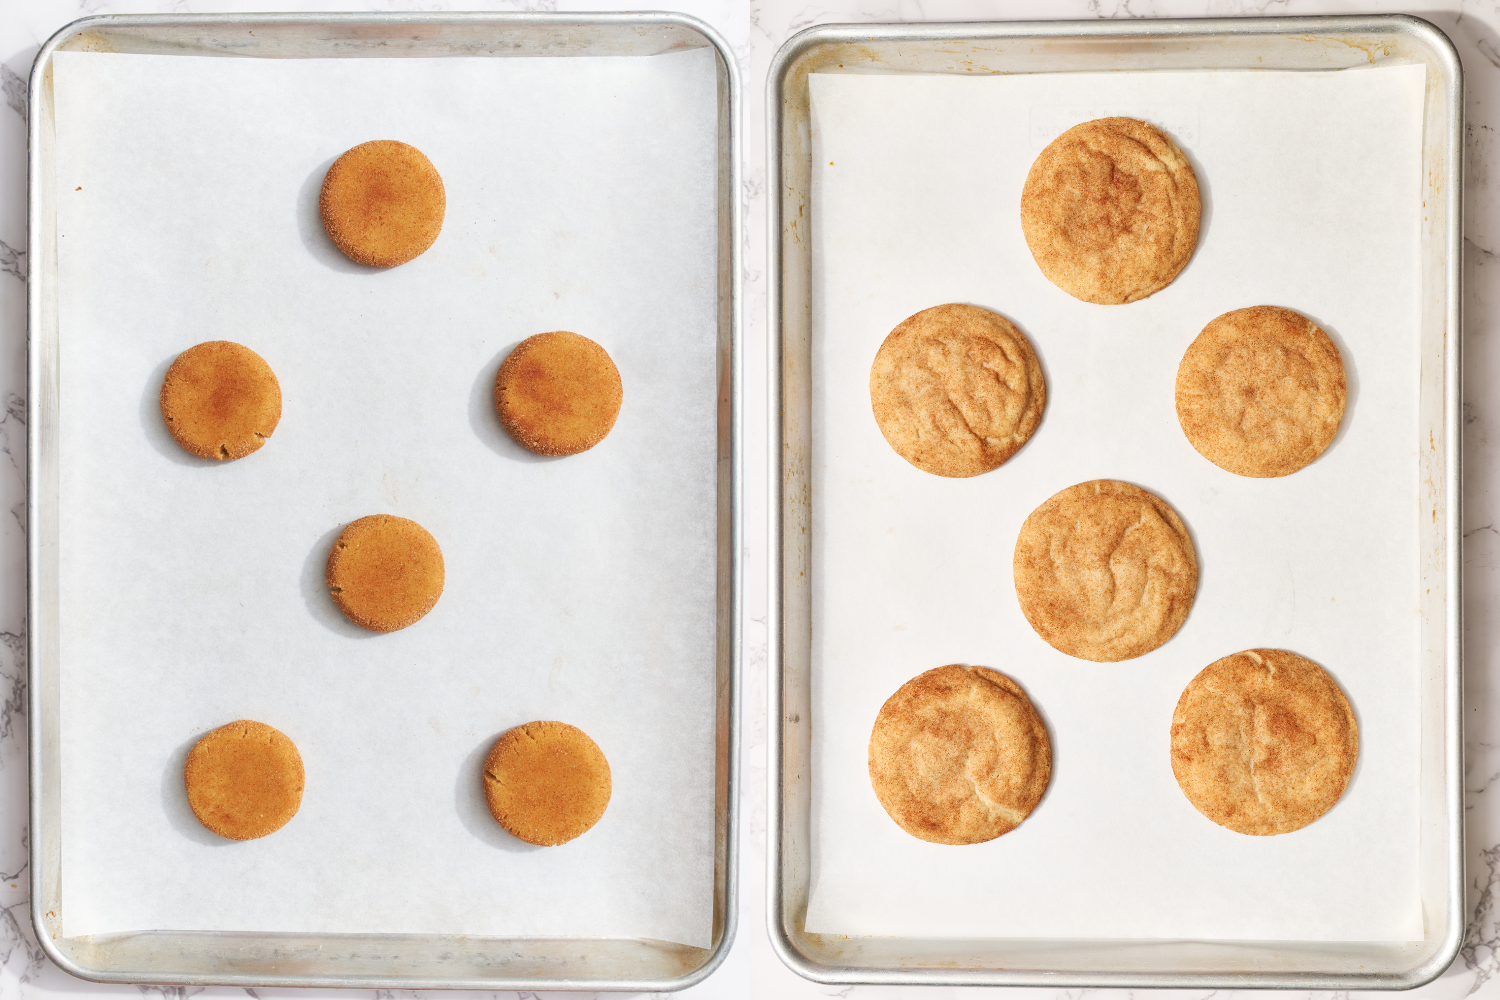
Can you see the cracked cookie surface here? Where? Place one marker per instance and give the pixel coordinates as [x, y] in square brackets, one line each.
[1110, 211]
[1105, 571]
[1261, 391]
[957, 390]
[385, 572]
[220, 400]
[1263, 742]
[244, 780]
[546, 782]
[958, 755]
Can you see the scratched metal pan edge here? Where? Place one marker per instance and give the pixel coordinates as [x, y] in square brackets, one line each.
[1176, 43]
[386, 961]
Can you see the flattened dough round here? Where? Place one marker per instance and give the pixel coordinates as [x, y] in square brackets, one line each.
[1263, 742]
[558, 393]
[1110, 211]
[385, 572]
[546, 782]
[958, 755]
[1105, 571]
[220, 400]
[382, 203]
[1261, 391]
[957, 390]
[244, 780]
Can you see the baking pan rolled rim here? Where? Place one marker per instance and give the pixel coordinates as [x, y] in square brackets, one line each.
[194, 34]
[789, 500]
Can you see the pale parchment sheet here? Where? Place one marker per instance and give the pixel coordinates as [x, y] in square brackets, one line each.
[580, 196]
[1312, 200]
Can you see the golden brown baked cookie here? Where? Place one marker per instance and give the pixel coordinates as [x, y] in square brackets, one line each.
[956, 390]
[1261, 391]
[382, 203]
[546, 782]
[244, 780]
[958, 755]
[558, 393]
[1110, 211]
[220, 400]
[1105, 571]
[1263, 742]
[385, 572]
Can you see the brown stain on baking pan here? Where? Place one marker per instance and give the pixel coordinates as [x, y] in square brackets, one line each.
[87, 41]
[1371, 49]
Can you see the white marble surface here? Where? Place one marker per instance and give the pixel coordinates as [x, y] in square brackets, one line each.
[755, 29]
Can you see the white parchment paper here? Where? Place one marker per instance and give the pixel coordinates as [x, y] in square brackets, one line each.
[580, 196]
[1312, 200]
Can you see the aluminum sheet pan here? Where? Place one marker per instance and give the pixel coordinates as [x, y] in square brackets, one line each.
[405, 961]
[1319, 43]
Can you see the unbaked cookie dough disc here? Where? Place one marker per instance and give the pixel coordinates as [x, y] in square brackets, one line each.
[1263, 742]
[1110, 211]
[558, 393]
[385, 572]
[220, 400]
[244, 780]
[957, 390]
[546, 782]
[1261, 391]
[1105, 571]
[382, 203]
[958, 755]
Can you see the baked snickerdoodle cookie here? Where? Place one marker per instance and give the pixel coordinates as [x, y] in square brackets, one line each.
[546, 782]
[958, 755]
[956, 390]
[382, 203]
[558, 393]
[244, 780]
[1261, 391]
[220, 400]
[385, 572]
[1263, 742]
[1110, 211]
[1105, 571]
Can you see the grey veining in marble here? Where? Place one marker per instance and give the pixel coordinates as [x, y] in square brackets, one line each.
[15, 90]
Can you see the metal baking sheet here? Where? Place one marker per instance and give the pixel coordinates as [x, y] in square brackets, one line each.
[971, 49]
[316, 950]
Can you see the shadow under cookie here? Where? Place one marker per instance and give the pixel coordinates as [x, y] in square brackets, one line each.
[244, 780]
[1110, 211]
[1263, 742]
[1261, 392]
[546, 782]
[220, 400]
[558, 393]
[385, 572]
[957, 390]
[1105, 571]
[959, 755]
[382, 203]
